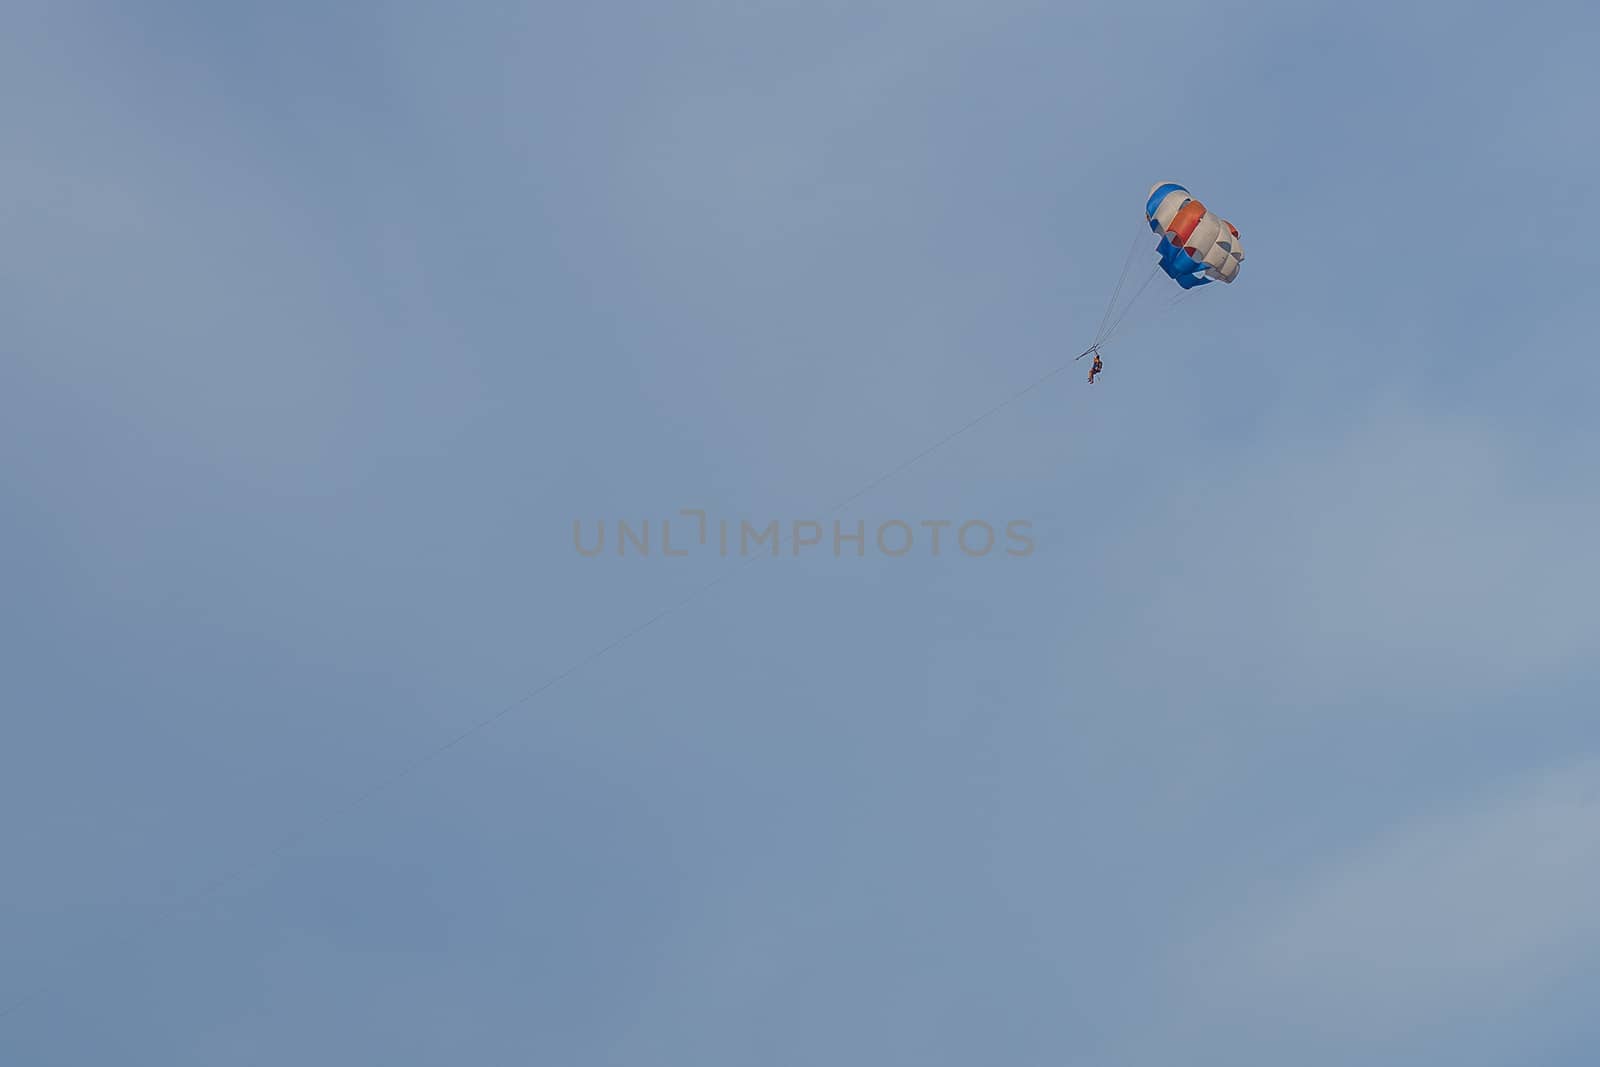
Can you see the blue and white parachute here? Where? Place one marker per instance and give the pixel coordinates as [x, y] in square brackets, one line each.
[1197, 246]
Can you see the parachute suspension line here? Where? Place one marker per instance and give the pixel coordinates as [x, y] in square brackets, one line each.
[1106, 334]
[1166, 310]
[1122, 279]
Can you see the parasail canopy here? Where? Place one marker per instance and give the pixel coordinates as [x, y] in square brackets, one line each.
[1197, 245]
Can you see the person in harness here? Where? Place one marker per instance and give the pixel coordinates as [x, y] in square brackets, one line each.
[1096, 367]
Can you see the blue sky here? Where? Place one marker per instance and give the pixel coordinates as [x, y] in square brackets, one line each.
[319, 329]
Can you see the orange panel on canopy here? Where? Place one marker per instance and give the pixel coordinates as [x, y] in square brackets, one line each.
[1184, 222]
